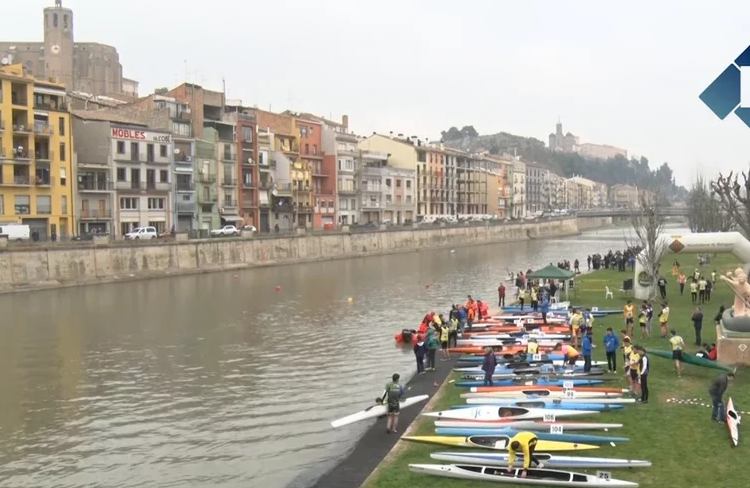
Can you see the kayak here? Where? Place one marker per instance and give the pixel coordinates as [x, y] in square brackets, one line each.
[550, 406]
[517, 330]
[550, 382]
[507, 342]
[597, 389]
[512, 358]
[691, 359]
[495, 442]
[531, 425]
[505, 349]
[499, 413]
[549, 365]
[543, 393]
[542, 436]
[733, 422]
[549, 460]
[375, 411]
[545, 477]
[533, 374]
[548, 401]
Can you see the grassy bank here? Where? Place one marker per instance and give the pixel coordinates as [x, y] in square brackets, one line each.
[685, 447]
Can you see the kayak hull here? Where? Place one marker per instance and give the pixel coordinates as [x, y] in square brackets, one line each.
[549, 460]
[496, 443]
[375, 411]
[530, 425]
[691, 359]
[514, 413]
[551, 382]
[563, 402]
[543, 393]
[600, 389]
[539, 477]
[542, 436]
[733, 423]
[551, 407]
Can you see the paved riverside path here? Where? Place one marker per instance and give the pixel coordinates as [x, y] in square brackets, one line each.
[354, 469]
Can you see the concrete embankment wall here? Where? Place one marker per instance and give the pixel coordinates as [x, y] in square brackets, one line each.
[586, 223]
[36, 267]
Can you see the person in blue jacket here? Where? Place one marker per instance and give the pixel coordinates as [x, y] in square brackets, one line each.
[611, 344]
[587, 349]
[461, 318]
[544, 308]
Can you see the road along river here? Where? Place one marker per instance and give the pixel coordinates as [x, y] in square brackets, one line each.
[219, 380]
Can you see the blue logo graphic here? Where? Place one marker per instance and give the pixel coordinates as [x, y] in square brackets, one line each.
[724, 96]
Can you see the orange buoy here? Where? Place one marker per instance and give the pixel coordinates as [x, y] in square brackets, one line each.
[278, 288]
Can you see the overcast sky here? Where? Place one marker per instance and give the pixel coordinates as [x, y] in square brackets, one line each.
[621, 73]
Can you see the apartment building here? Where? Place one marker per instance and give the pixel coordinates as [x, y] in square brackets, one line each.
[323, 179]
[600, 197]
[537, 188]
[245, 128]
[518, 210]
[558, 192]
[580, 192]
[265, 147]
[623, 196]
[206, 189]
[36, 149]
[344, 147]
[471, 185]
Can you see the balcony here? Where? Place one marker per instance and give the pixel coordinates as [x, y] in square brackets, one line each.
[228, 205]
[22, 128]
[54, 106]
[42, 178]
[369, 204]
[319, 172]
[95, 214]
[282, 189]
[228, 181]
[249, 184]
[265, 185]
[44, 154]
[182, 115]
[186, 207]
[95, 186]
[43, 129]
[157, 186]
[229, 157]
[206, 178]
[204, 198]
[185, 186]
[19, 98]
[303, 208]
[18, 180]
[183, 158]
[128, 185]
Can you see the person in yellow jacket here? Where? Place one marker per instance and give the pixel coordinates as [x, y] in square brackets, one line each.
[444, 335]
[525, 442]
[532, 347]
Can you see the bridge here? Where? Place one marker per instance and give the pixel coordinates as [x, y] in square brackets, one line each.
[624, 212]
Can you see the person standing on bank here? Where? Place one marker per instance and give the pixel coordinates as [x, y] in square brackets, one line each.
[717, 390]
[420, 350]
[644, 369]
[702, 290]
[392, 398]
[697, 319]
[501, 295]
[587, 349]
[489, 365]
[682, 279]
[662, 282]
[611, 344]
[677, 345]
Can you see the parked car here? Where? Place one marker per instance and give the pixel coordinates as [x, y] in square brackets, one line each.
[16, 232]
[226, 231]
[142, 233]
[249, 228]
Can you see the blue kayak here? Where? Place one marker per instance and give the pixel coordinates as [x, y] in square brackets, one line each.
[542, 436]
[552, 313]
[543, 368]
[549, 405]
[532, 382]
[479, 359]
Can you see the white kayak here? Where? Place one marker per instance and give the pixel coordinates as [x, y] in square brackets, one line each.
[733, 422]
[554, 401]
[505, 342]
[508, 413]
[375, 411]
[532, 425]
[503, 367]
[474, 389]
[540, 477]
[549, 460]
[535, 393]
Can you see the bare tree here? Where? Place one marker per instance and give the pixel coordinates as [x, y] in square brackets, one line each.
[733, 199]
[647, 222]
[705, 212]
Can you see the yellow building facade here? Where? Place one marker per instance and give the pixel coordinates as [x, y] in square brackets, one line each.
[36, 149]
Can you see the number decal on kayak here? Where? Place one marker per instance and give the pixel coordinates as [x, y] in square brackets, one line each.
[569, 393]
[604, 475]
[549, 417]
[556, 429]
[567, 385]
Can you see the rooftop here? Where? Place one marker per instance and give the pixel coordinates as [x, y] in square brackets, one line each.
[105, 116]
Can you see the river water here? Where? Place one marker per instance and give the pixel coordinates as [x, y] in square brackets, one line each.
[219, 380]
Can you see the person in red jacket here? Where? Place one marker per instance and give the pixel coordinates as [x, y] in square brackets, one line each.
[501, 295]
[483, 310]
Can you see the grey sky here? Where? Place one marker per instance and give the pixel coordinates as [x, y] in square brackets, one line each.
[621, 73]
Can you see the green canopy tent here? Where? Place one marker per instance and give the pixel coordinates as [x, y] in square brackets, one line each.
[552, 272]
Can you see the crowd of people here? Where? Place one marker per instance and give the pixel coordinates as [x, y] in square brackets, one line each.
[619, 260]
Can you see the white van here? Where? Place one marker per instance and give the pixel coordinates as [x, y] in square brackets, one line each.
[16, 232]
[142, 233]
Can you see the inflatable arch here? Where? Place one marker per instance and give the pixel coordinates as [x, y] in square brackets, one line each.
[709, 242]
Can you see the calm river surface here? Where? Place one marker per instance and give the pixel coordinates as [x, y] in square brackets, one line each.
[217, 381]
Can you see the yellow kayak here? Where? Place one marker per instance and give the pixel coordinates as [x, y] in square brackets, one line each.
[496, 442]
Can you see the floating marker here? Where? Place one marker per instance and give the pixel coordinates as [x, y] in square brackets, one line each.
[350, 300]
[278, 288]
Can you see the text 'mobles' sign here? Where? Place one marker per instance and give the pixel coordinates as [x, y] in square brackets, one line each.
[140, 135]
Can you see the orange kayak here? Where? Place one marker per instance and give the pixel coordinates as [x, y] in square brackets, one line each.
[592, 389]
[516, 330]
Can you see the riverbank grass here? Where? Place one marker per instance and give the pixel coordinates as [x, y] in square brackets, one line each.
[685, 447]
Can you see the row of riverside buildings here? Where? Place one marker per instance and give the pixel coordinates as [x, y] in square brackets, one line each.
[190, 159]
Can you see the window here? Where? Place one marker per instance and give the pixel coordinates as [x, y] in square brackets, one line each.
[150, 153]
[181, 129]
[408, 183]
[54, 20]
[2, 205]
[129, 203]
[156, 203]
[64, 205]
[261, 158]
[311, 130]
[22, 204]
[63, 177]
[43, 204]
[387, 182]
[163, 151]
[121, 174]
[315, 149]
[307, 148]
[134, 151]
[65, 21]
[164, 176]
[398, 183]
[61, 125]
[303, 132]
[120, 147]
[62, 151]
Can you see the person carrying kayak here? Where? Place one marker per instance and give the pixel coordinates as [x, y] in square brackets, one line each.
[717, 390]
[489, 365]
[525, 442]
[392, 398]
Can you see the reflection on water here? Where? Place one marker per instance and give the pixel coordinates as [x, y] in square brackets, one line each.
[214, 381]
